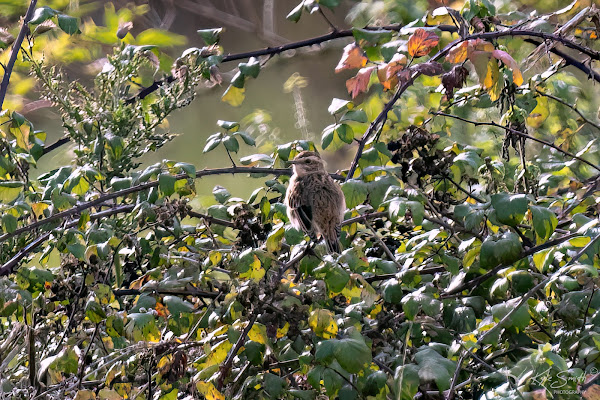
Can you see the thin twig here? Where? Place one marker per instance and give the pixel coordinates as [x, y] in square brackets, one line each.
[572, 107]
[15, 51]
[450, 394]
[521, 134]
[384, 246]
[226, 366]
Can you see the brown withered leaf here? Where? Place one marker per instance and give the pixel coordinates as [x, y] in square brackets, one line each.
[454, 79]
[431, 68]
[421, 42]
[353, 57]
[360, 82]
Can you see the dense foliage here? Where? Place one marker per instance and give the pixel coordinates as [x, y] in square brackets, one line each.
[471, 235]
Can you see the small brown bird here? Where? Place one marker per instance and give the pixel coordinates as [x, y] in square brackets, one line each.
[315, 203]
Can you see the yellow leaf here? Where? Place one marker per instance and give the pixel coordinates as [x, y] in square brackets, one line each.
[322, 323]
[258, 333]
[255, 272]
[281, 332]
[38, 209]
[209, 391]
[579, 241]
[539, 114]
[234, 96]
[218, 354]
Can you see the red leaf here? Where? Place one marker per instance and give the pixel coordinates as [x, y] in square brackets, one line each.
[353, 57]
[359, 83]
[511, 64]
[421, 42]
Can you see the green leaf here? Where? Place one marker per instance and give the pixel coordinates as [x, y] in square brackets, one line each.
[519, 320]
[338, 105]
[336, 278]
[496, 250]
[392, 291]
[250, 68]
[9, 223]
[94, 312]
[355, 192]
[355, 115]
[78, 250]
[211, 144]
[544, 222]
[274, 385]
[329, 3]
[189, 169]
[160, 38]
[68, 24]
[325, 351]
[249, 140]
[328, 135]
[352, 354]
[10, 190]
[345, 133]
[254, 351]
[295, 14]
[375, 382]
[177, 306]
[210, 36]
[166, 184]
[229, 125]
[406, 381]
[42, 14]
[231, 144]
[371, 36]
[142, 327]
[433, 367]
[510, 209]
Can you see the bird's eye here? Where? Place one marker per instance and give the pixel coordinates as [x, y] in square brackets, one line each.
[307, 161]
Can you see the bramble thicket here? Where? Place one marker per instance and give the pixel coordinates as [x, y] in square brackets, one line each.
[471, 238]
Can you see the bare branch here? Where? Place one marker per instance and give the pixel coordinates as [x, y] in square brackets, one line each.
[15, 51]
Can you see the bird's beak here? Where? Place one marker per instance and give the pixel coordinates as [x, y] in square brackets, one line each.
[292, 162]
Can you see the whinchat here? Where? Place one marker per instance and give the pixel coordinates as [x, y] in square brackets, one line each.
[315, 203]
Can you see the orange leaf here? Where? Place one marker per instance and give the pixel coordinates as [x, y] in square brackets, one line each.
[421, 42]
[458, 53]
[359, 83]
[353, 57]
[396, 64]
[382, 74]
[511, 64]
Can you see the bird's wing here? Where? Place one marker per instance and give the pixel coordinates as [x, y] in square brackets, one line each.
[301, 203]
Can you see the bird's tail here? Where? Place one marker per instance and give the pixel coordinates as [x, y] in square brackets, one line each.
[334, 246]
